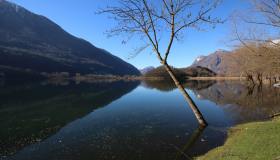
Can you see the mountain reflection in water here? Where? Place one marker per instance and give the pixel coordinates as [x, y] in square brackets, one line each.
[244, 103]
[152, 121]
[32, 112]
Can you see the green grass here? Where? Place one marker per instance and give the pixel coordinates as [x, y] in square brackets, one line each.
[252, 141]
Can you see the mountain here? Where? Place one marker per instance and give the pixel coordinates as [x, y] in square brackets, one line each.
[33, 44]
[181, 73]
[146, 69]
[262, 58]
[215, 61]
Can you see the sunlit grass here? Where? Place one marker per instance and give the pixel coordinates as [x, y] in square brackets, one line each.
[256, 141]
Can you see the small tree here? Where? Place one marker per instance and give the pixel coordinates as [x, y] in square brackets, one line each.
[152, 19]
[264, 15]
[270, 9]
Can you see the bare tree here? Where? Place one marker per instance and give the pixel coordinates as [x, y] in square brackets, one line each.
[252, 31]
[152, 19]
[264, 13]
[270, 9]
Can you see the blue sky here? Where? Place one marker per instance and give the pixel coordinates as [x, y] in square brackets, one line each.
[78, 18]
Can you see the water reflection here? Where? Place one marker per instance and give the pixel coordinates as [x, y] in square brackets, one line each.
[191, 142]
[167, 86]
[2, 82]
[30, 113]
[242, 102]
[152, 121]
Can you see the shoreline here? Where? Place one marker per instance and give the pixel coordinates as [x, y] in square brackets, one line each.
[111, 78]
[217, 78]
[139, 78]
[134, 78]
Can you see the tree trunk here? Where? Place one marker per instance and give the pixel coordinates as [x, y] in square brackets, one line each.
[194, 138]
[191, 103]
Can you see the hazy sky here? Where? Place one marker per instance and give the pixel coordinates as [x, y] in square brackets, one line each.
[78, 18]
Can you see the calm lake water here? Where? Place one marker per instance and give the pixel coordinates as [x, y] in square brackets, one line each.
[123, 120]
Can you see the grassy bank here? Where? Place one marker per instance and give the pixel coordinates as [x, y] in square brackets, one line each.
[256, 141]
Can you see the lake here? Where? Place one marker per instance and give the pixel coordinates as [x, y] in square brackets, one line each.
[124, 120]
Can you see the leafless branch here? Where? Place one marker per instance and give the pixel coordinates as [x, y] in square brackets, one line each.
[166, 16]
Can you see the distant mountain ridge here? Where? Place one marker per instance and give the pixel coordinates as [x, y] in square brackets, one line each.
[213, 61]
[30, 43]
[263, 58]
